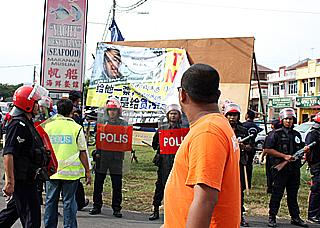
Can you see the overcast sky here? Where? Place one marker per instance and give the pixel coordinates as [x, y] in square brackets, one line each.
[285, 31]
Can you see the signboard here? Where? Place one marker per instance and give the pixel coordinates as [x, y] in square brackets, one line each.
[114, 138]
[63, 46]
[144, 80]
[280, 102]
[307, 102]
[170, 140]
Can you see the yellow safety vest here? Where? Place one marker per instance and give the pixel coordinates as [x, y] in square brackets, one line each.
[63, 133]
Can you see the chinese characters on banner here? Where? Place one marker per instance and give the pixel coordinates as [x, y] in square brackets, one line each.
[143, 79]
[63, 46]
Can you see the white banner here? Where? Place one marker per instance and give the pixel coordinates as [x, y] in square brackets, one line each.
[145, 80]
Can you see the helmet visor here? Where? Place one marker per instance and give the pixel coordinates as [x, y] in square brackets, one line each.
[38, 92]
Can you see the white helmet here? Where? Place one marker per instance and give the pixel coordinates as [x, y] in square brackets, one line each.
[172, 107]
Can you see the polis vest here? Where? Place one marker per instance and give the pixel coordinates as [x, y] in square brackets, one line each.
[63, 133]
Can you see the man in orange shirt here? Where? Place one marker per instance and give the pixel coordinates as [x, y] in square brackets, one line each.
[203, 189]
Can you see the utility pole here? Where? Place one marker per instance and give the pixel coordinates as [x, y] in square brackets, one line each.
[114, 9]
[34, 74]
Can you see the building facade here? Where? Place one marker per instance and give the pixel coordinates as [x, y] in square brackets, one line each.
[308, 99]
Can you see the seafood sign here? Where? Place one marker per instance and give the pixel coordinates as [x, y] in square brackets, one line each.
[63, 46]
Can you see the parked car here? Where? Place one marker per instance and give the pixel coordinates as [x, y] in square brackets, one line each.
[304, 129]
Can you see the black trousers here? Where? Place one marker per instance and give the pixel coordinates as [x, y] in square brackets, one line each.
[27, 203]
[159, 191]
[314, 198]
[9, 215]
[288, 179]
[80, 196]
[116, 181]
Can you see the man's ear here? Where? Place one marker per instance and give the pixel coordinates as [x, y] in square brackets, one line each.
[218, 94]
[182, 96]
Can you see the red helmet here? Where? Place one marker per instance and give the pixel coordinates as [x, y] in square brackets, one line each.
[46, 102]
[114, 103]
[317, 118]
[287, 113]
[25, 97]
[231, 107]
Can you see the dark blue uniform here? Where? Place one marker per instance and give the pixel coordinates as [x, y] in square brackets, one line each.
[164, 162]
[286, 141]
[241, 132]
[250, 124]
[25, 145]
[313, 158]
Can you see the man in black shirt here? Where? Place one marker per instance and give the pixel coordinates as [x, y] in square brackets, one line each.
[24, 156]
[284, 142]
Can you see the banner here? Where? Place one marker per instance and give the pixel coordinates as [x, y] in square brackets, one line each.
[63, 45]
[171, 139]
[145, 80]
[114, 138]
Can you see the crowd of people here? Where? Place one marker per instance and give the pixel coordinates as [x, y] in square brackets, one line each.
[202, 183]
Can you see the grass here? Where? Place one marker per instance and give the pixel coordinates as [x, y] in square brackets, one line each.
[139, 185]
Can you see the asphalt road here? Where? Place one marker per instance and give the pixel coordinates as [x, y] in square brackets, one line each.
[135, 219]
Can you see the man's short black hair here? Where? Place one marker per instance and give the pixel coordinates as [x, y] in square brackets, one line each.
[251, 114]
[201, 82]
[74, 95]
[65, 107]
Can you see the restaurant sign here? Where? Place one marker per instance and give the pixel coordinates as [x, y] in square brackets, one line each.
[282, 102]
[306, 102]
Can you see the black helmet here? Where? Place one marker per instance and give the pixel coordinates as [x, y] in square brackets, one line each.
[74, 95]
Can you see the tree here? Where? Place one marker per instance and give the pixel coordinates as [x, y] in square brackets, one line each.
[7, 91]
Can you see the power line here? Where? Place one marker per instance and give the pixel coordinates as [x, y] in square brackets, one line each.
[243, 8]
[16, 66]
[129, 8]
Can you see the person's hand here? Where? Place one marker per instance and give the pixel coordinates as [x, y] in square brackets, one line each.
[306, 149]
[162, 226]
[8, 188]
[288, 157]
[88, 177]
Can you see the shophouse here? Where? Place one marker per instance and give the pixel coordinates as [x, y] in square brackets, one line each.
[283, 89]
[308, 99]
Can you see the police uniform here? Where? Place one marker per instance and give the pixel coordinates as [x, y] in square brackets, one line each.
[250, 124]
[164, 162]
[313, 158]
[112, 162]
[241, 132]
[286, 141]
[26, 146]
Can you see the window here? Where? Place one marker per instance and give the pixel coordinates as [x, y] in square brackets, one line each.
[305, 86]
[275, 89]
[312, 82]
[282, 86]
[293, 87]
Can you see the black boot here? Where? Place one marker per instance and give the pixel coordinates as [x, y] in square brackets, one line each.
[298, 222]
[244, 222]
[155, 214]
[95, 211]
[272, 221]
[117, 214]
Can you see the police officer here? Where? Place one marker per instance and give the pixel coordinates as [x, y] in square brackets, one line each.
[282, 145]
[164, 162]
[111, 161]
[24, 156]
[249, 124]
[232, 113]
[313, 158]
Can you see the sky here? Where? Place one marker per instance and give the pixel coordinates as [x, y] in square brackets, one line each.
[285, 31]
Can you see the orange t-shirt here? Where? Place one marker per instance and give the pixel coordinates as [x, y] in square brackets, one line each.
[209, 155]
